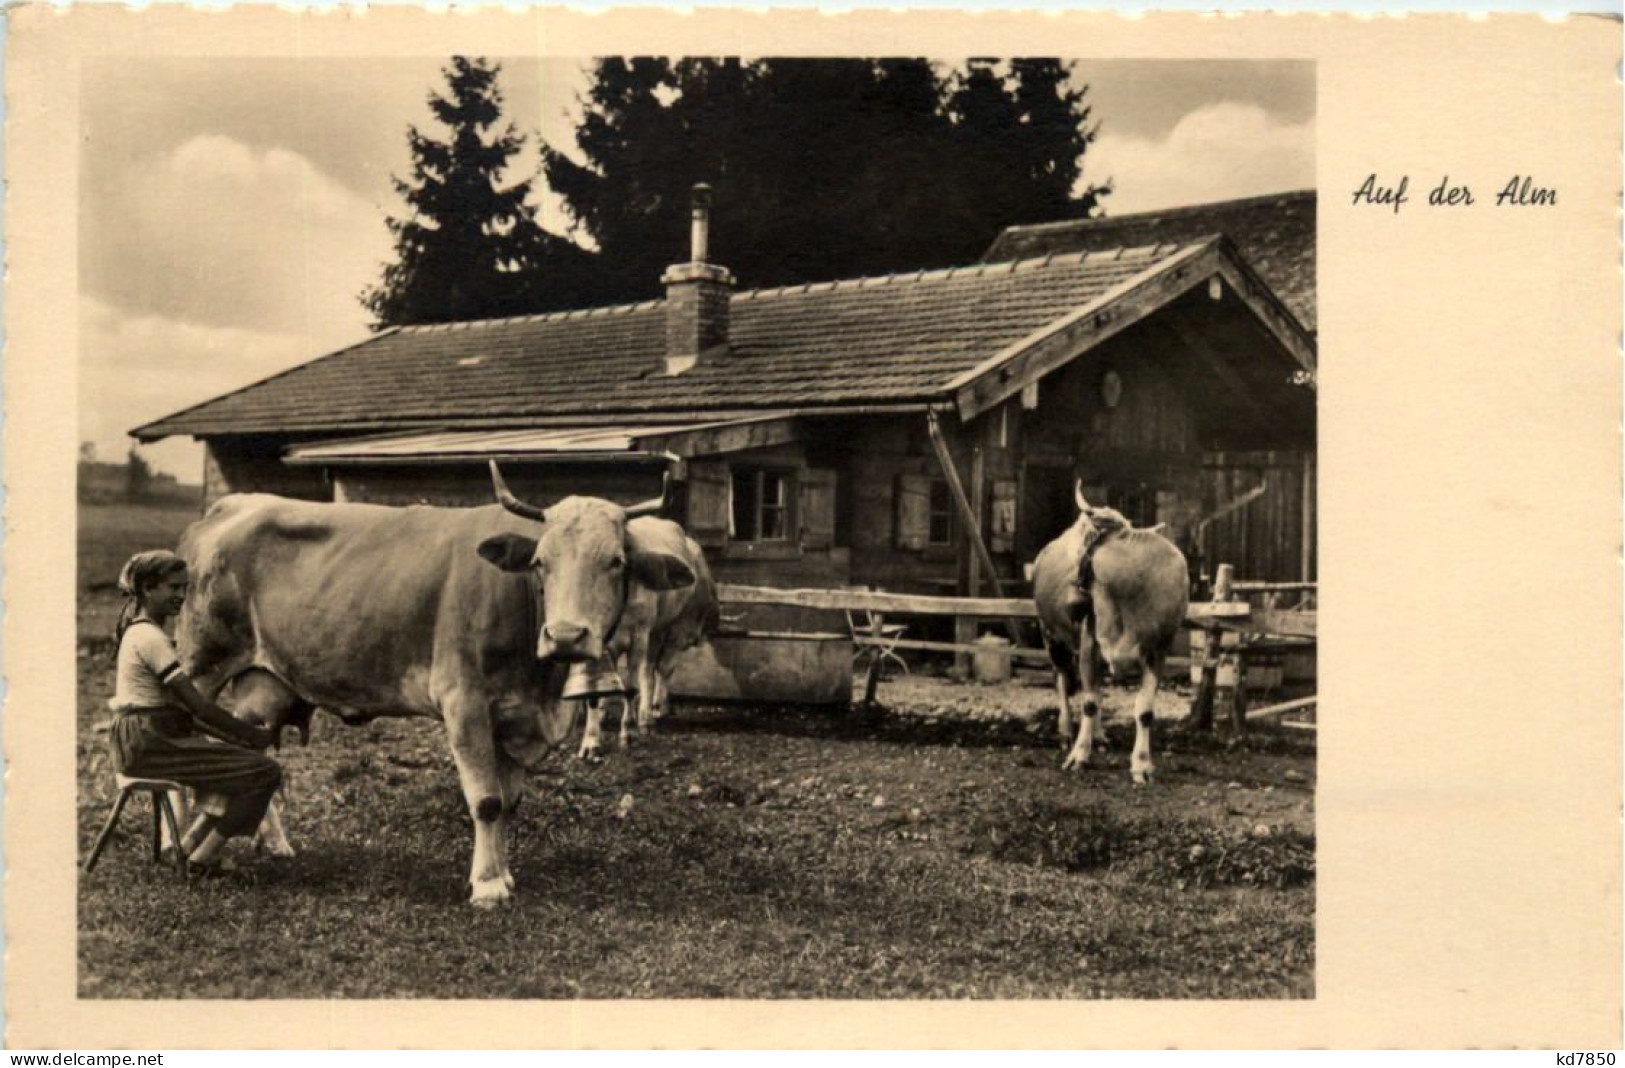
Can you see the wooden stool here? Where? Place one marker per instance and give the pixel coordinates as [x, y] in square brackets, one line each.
[162, 812]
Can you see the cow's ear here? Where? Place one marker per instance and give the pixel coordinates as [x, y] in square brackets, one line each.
[510, 552]
[659, 571]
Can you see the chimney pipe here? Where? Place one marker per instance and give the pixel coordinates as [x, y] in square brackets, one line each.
[700, 233]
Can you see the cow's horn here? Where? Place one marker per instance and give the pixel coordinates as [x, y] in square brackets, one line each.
[1077, 495]
[512, 503]
[654, 504]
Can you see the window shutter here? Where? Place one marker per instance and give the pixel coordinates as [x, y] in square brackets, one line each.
[913, 511]
[709, 509]
[817, 508]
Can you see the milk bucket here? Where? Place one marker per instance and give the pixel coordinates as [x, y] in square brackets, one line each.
[991, 661]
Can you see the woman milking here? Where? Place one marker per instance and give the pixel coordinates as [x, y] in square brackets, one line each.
[161, 720]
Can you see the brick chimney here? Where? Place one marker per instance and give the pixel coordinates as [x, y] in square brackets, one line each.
[697, 295]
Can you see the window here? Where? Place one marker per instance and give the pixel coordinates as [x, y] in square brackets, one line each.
[761, 505]
[941, 531]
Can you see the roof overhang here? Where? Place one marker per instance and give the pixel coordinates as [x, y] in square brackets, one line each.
[1009, 371]
[656, 422]
[641, 442]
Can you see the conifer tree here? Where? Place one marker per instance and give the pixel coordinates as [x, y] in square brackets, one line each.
[470, 247]
[822, 168]
[1022, 130]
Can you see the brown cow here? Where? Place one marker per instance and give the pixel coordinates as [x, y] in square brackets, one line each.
[1105, 588]
[374, 611]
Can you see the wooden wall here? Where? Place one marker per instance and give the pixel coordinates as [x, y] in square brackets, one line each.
[1265, 540]
[254, 465]
[1149, 456]
[884, 450]
[1142, 457]
[813, 555]
[1160, 457]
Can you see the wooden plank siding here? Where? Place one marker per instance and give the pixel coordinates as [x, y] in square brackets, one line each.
[1265, 539]
[1142, 456]
[887, 469]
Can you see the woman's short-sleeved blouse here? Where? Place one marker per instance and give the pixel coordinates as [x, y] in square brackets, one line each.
[146, 660]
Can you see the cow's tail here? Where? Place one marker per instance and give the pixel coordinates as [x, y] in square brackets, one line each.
[711, 617]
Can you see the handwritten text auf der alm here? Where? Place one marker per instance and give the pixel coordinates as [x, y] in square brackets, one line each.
[1520, 191]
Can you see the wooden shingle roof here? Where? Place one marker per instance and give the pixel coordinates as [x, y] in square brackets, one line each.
[901, 338]
[1275, 235]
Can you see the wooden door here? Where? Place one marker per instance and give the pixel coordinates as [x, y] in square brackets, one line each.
[1047, 508]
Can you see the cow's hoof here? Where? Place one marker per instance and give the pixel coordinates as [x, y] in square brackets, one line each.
[589, 756]
[1142, 778]
[490, 894]
[1075, 760]
[278, 849]
[507, 880]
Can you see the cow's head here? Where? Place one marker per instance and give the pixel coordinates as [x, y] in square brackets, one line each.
[585, 560]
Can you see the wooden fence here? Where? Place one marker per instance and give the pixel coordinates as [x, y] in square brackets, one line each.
[1225, 620]
[1236, 615]
[1226, 642]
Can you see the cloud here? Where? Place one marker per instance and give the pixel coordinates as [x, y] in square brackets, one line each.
[137, 368]
[1215, 152]
[217, 231]
[218, 263]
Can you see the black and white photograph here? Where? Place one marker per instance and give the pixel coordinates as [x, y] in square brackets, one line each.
[545, 529]
[829, 528]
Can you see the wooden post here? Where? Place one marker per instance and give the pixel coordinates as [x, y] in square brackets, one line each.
[877, 659]
[965, 628]
[964, 634]
[1208, 676]
[1307, 551]
[978, 494]
[1202, 700]
[1201, 714]
[1230, 680]
[967, 515]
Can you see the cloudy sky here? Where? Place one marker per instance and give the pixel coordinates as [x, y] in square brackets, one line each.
[230, 212]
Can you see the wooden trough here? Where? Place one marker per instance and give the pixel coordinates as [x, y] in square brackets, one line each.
[806, 669]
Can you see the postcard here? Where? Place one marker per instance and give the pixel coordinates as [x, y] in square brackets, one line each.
[531, 529]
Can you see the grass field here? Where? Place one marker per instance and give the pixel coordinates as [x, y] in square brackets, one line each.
[935, 850]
